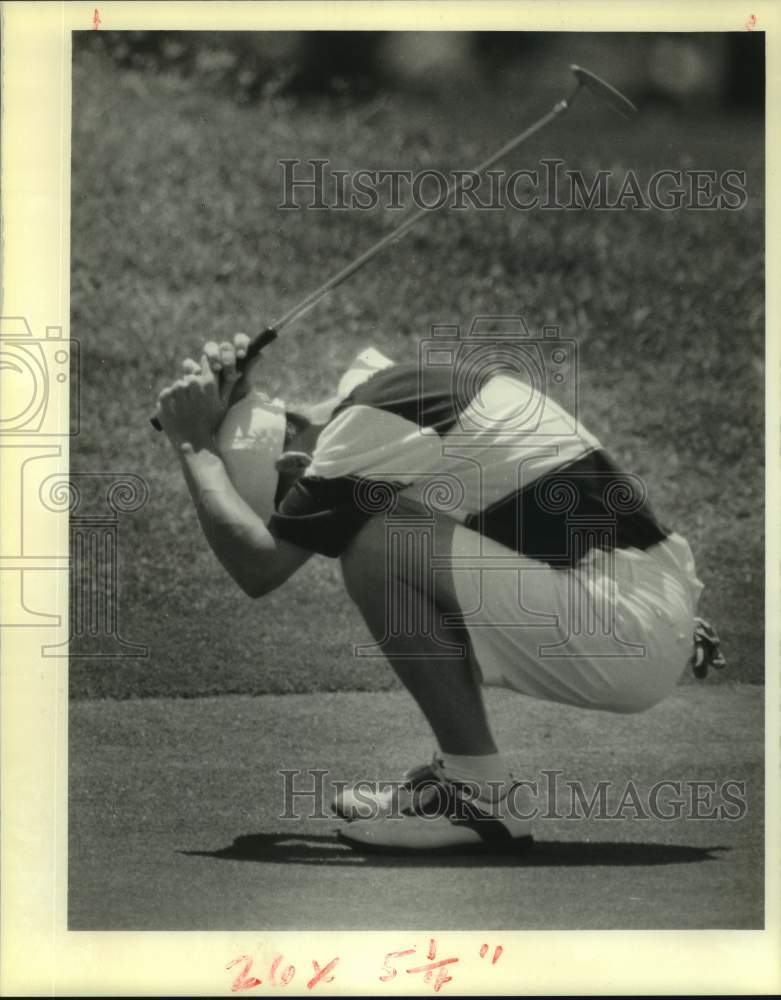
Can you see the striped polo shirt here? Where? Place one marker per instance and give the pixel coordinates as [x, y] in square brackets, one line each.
[503, 458]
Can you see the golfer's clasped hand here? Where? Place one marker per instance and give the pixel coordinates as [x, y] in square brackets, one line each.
[193, 407]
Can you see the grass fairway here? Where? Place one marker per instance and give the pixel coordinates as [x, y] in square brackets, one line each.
[176, 238]
[179, 821]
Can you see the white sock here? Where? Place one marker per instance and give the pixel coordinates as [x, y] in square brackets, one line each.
[489, 772]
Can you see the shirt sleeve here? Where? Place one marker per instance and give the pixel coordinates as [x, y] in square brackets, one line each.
[323, 515]
[364, 458]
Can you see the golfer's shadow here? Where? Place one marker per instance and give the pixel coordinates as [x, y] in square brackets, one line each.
[324, 849]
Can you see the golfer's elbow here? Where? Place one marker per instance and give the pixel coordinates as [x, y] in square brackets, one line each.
[254, 587]
[253, 581]
[266, 574]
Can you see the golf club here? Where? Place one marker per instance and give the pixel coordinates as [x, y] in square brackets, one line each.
[583, 77]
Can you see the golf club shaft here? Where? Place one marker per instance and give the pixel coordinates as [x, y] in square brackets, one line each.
[270, 333]
[304, 306]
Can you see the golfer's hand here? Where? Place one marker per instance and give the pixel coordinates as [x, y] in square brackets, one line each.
[222, 360]
[191, 409]
[234, 385]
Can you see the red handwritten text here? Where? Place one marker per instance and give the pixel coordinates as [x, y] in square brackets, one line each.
[244, 981]
[497, 953]
[434, 970]
[279, 975]
[322, 975]
[427, 969]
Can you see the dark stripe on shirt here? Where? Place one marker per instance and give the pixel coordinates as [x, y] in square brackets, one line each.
[558, 518]
[424, 396]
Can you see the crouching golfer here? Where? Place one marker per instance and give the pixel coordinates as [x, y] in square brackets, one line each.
[530, 560]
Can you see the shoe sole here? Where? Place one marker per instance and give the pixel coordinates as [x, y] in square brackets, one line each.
[519, 845]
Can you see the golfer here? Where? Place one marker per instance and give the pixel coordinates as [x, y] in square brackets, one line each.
[530, 561]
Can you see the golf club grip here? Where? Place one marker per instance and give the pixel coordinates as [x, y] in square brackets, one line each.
[256, 345]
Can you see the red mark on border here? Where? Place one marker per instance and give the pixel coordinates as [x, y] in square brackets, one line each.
[428, 968]
[284, 976]
[751, 22]
[244, 981]
[322, 975]
[96, 19]
[390, 972]
[497, 953]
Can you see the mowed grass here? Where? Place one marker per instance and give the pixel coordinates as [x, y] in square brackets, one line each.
[176, 237]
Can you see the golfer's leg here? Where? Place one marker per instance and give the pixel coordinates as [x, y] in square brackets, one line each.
[447, 689]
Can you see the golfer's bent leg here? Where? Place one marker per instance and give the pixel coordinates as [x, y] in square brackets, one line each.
[476, 806]
[446, 688]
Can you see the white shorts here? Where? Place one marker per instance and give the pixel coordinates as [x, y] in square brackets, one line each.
[613, 633]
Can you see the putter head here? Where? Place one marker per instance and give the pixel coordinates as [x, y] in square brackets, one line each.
[604, 91]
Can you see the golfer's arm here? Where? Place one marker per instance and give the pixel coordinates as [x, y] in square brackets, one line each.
[256, 560]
